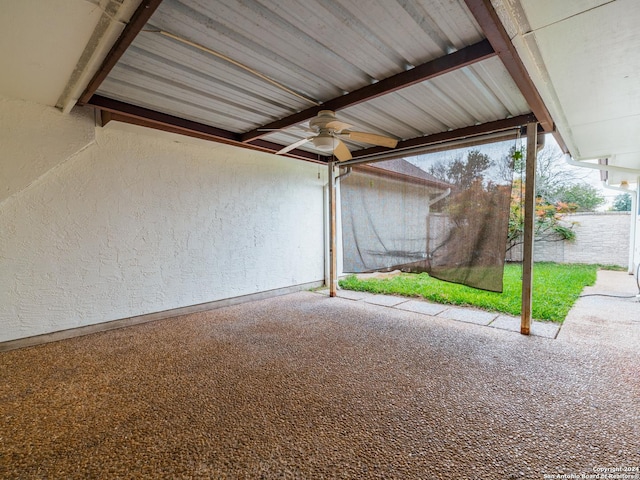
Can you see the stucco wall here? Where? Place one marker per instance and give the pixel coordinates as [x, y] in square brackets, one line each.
[600, 238]
[139, 222]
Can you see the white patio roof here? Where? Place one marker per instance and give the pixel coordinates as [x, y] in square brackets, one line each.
[574, 67]
[583, 57]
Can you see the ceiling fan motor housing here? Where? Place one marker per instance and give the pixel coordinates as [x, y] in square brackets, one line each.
[329, 131]
[320, 121]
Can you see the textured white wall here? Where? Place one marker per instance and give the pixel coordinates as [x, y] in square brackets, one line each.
[138, 222]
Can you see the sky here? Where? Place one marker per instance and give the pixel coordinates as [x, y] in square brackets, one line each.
[591, 176]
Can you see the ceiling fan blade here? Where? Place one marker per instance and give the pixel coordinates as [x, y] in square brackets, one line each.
[372, 138]
[341, 151]
[338, 125]
[293, 145]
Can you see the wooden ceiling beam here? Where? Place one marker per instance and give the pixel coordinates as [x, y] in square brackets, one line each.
[496, 34]
[136, 24]
[114, 110]
[454, 61]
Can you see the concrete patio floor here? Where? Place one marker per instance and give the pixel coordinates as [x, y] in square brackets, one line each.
[305, 386]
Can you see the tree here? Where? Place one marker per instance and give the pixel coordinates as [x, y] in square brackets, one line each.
[622, 203]
[461, 172]
[558, 182]
[549, 225]
[552, 178]
[554, 175]
[585, 197]
[560, 189]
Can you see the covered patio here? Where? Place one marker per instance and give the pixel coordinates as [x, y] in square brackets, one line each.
[169, 112]
[169, 166]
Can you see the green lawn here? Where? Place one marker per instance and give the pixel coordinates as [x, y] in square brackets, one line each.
[555, 289]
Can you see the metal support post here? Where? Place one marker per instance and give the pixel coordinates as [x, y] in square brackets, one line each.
[333, 252]
[529, 216]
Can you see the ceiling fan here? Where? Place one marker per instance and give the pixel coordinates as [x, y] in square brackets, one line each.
[328, 134]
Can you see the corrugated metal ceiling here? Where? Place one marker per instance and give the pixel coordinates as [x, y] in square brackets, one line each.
[319, 49]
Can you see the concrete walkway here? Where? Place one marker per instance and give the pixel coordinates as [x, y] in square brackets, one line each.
[460, 314]
[607, 313]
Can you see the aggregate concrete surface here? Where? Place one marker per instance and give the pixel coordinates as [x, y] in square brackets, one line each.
[306, 386]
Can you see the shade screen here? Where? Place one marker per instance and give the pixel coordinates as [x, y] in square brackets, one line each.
[445, 214]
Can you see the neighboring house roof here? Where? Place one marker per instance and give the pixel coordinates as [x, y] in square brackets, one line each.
[401, 169]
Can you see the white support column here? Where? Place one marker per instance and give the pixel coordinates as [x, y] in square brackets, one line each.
[529, 217]
[632, 232]
[631, 265]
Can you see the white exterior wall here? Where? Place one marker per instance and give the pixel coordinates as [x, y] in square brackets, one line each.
[634, 232]
[135, 221]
